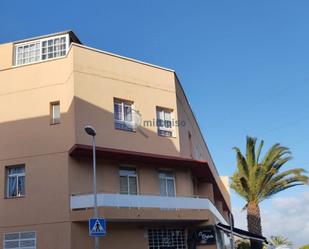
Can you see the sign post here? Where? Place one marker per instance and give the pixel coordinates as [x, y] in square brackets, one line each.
[98, 223]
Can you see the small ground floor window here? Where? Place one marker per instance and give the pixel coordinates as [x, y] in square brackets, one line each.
[20, 240]
[167, 239]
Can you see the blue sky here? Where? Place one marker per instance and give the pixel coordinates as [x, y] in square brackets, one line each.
[244, 64]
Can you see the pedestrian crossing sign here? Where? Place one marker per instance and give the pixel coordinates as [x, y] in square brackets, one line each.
[97, 227]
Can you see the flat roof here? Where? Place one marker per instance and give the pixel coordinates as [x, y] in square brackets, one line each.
[124, 57]
[70, 32]
[76, 40]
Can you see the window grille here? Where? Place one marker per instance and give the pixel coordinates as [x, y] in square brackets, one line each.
[167, 239]
[20, 240]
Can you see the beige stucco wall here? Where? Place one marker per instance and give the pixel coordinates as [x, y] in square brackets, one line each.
[25, 96]
[28, 138]
[205, 189]
[184, 183]
[47, 192]
[148, 180]
[128, 236]
[48, 236]
[99, 78]
[80, 178]
[108, 181]
[85, 82]
[6, 56]
[226, 183]
[121, 235]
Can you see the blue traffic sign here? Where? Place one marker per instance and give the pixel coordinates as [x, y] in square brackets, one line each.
[97, 227]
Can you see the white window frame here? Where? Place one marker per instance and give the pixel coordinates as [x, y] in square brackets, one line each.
[166, 178]
[127, 124]
[17, 45]
[164, 128]
[19, 240]
[122, 174]
[17, 175]
[54, 120]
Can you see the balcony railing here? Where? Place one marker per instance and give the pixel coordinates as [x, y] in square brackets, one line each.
[145, 201]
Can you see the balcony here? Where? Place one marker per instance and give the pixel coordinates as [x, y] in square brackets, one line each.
[200, 169]
[86, 201]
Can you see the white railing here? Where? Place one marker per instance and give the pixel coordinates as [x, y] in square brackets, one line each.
[145, 201]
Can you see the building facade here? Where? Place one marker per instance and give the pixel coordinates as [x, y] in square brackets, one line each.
[156, 181]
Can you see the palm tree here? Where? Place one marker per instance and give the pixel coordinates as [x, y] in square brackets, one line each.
[257, 180]
[280, 241]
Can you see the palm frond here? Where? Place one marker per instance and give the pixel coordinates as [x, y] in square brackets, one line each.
[241, 163]
[259, 150]
[250, 151]
[283, 184]
[279, 241]
[257, 180]
[237, 186]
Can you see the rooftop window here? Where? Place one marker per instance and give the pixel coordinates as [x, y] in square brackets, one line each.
[41, 49]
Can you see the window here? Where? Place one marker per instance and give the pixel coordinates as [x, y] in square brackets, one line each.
[41, 49]
[15, 181]
[167, 183]
[167, 239]
[53, 48]
[27, 53]
[128, 181]
[164, 122]
[123, 115]
[26, 240]
[55, 112]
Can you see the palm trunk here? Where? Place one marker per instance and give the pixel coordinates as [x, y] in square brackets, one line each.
[254, 223]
